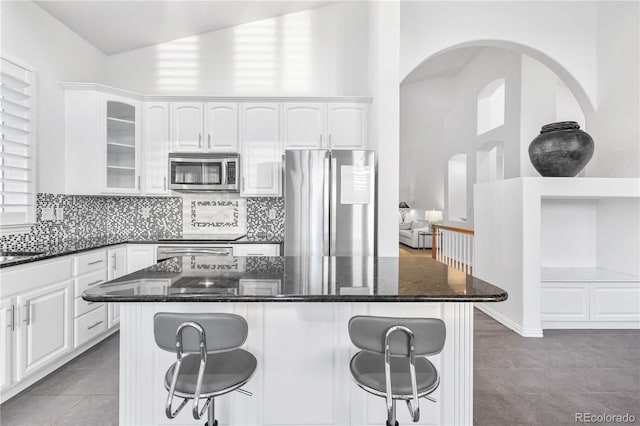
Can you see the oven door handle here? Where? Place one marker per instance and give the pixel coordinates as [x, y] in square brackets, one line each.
[195, 252]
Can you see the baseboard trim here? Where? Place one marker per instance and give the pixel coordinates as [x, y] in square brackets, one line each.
[595, 325]
[524, 332]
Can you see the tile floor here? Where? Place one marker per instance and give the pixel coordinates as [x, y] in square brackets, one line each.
[518, 381]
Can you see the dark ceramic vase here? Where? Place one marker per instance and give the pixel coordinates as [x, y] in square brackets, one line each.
[561, 150]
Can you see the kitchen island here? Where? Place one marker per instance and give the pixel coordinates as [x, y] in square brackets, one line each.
[298, 309]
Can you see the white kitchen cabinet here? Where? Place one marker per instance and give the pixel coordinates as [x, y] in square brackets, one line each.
[304, 125]
[7, 341]
[140, 256]
[204, 127]
[156, 147]
[261, 150]
[325, 126]
[102, 142]
[187, 122]
[45, 329]
[221, 126]
[256, 249]
[347, 125]
[117, 261]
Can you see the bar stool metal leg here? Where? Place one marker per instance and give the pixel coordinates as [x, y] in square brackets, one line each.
[391, 414]
[211, 416]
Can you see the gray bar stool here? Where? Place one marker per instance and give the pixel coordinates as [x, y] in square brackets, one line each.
[392, 363]
[209, 361]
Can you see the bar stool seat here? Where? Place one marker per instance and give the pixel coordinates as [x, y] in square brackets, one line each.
[393, 360]
[222, 372]
[368, 370]
[209, 361]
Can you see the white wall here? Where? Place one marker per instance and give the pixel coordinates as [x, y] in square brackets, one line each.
[55, 53]
[438, 120]
[537, 107]
[615, 126]
[384, 117]
[321, 51]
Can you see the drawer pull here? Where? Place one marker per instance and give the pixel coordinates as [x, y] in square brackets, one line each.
[95, 282]
[95, 261]
[255, 254]
[94, 325]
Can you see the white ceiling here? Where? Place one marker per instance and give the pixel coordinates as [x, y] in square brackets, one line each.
[444, 65]
[118, 26]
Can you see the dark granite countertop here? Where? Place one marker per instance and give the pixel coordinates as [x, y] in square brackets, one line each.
[296, 279]
[67, 247]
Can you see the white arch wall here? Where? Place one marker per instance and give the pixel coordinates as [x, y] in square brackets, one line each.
[565, 31]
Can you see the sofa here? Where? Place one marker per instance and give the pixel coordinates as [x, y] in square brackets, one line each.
[409, 234]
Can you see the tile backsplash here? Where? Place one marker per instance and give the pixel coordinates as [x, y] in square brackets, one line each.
[85, 217]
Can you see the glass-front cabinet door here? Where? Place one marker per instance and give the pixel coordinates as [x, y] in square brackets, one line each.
[122, 154]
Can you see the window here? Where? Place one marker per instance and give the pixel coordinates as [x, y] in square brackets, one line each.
[17, 187]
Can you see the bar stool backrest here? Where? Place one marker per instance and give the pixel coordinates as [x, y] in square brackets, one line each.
[224, 332]
[368, 333]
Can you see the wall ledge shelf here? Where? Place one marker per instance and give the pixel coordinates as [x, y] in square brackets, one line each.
[585, 274]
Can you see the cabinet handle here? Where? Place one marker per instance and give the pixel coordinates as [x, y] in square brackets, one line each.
[320, 140]
[139, 187]
[209, 140]
[165, 183]
[242, 183]
[27, 317]
[12, 324]
[95, 282]
[94, 325]
[95, 262]
[199, 140]
[330, 141]
[115, 260]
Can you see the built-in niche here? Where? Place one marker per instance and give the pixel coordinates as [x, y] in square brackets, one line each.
[457, 188]
[490, 162]
[490, 106]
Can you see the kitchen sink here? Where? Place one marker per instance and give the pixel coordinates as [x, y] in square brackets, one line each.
[17, 255]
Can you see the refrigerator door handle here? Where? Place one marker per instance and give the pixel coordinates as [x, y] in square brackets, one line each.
[334, 206]
[325, 207]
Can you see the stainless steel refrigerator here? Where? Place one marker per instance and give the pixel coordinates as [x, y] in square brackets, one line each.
[330, 203]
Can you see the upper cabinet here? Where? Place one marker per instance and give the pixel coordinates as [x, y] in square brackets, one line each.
[304, 125]
[156, 147]
[347, 125]
[325, 126]
[221, 125]
[204, 127]
[261, 150]
[103, 143]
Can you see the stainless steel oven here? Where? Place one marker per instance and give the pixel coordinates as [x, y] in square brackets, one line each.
[165, 252]
[204, 172]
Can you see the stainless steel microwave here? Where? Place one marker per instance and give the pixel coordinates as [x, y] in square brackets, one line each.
[204, 172]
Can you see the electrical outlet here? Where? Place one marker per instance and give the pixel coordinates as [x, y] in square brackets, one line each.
[47, 214]
[272, 214]
[145, 212]
[60, 213]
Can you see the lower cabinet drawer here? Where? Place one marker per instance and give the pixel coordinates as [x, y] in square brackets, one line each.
[81, 306]
[89, 325]
[84, 282]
